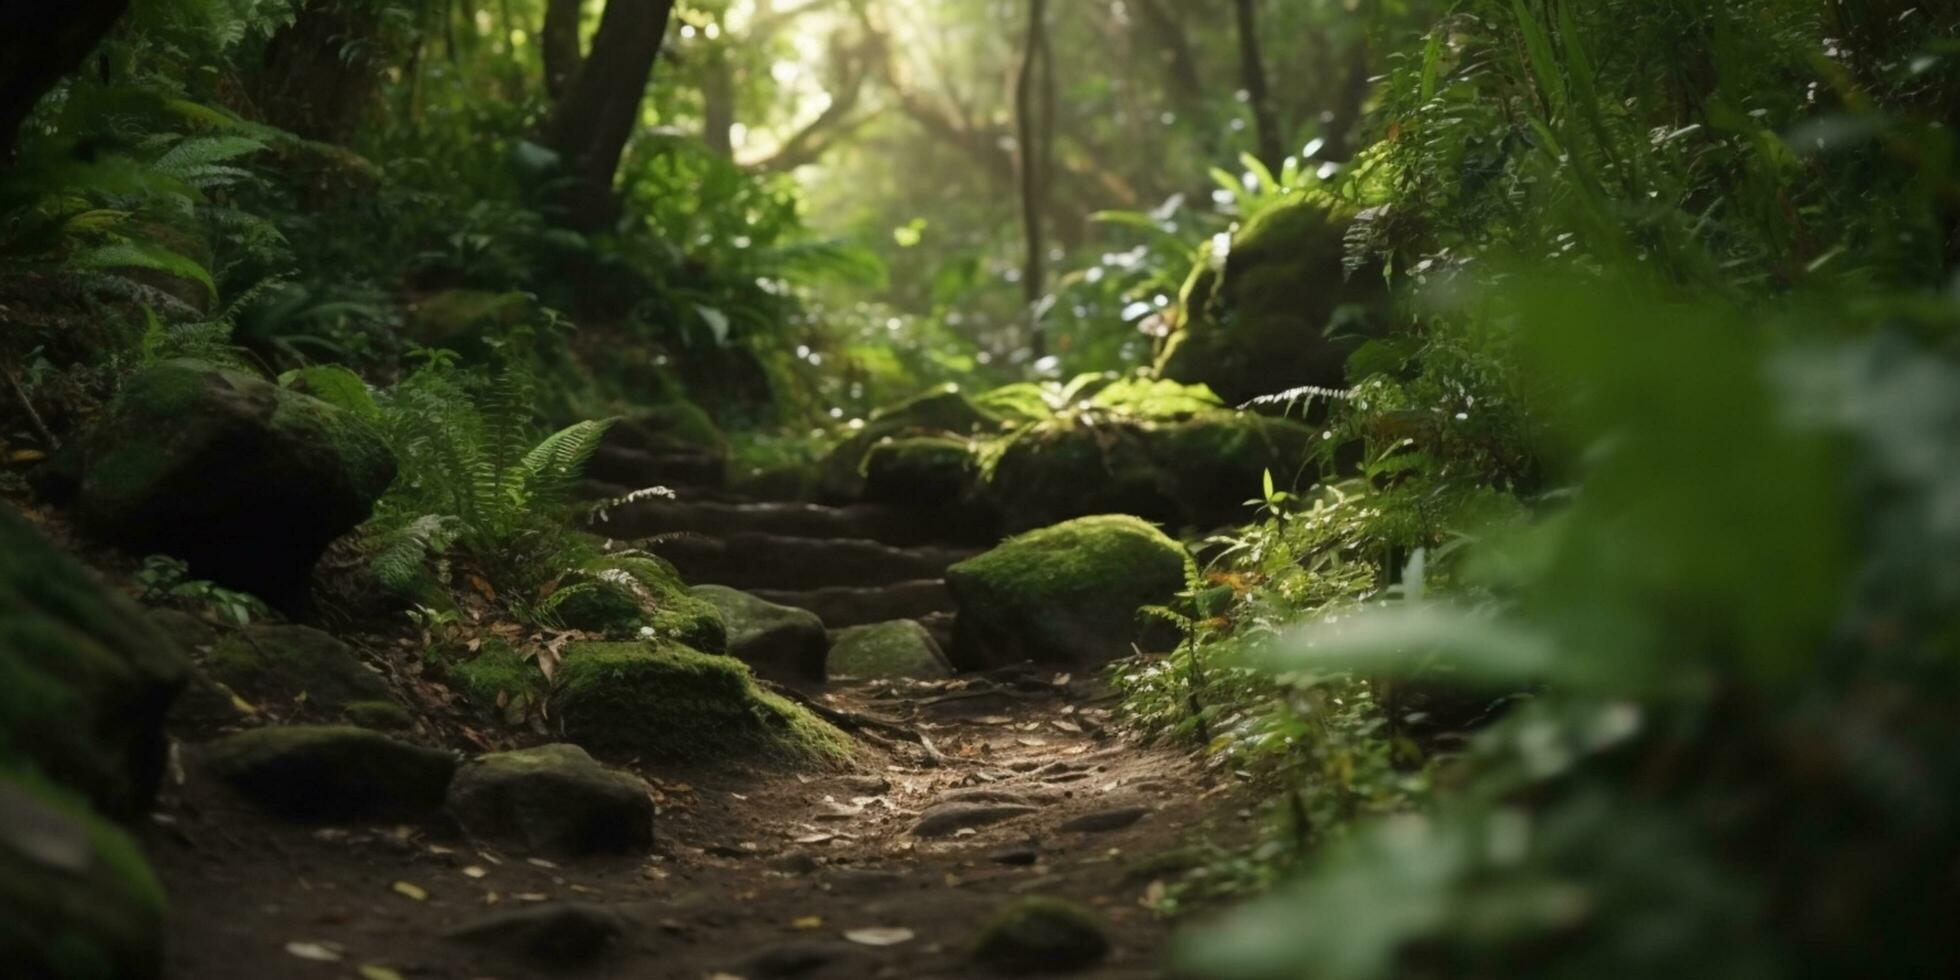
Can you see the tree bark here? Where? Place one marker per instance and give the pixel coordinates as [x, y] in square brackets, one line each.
[1252, 71]
[560, 46]
[590, 127]
[39, 43]
[1035, 111]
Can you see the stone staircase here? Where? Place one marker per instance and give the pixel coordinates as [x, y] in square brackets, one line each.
[854, 565]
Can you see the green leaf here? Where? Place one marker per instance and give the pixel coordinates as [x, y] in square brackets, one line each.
[145, 255]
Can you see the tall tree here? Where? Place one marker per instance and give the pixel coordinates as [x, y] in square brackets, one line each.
[1252, 71]
[590, 127]
[39, 43]
[559, 44]
[1034, 107]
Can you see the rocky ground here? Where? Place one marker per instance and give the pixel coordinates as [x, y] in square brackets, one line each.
[774, 739]
[887, 867]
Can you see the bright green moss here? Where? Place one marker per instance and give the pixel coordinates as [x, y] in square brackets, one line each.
[901, 648]
[919, 470]
[1067, 594]
[670, 703]
[499, 681]
[1065, 468]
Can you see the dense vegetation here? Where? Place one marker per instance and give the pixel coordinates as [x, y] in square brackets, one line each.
[1590, 370]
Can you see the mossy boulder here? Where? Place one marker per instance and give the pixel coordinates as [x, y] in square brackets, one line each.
[1216, 462]
[1067, 468]
[677, 426]
[1258, 322]
[332, 773]
[781, 643]
[85, 679]
[901, 648]
[944, 410]
[1067, 594]
[553, 799]
[1194, 472]
[300, 672]
[77, 900]
[243, 479]
[620, 597]
[663, 702]
[920, 471]
[1041, 935]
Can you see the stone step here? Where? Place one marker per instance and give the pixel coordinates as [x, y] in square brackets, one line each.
[722, 518]
[926, 600]
[634, 468]
[769, 561]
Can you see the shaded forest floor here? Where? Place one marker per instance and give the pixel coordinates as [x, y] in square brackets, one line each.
[754, 874]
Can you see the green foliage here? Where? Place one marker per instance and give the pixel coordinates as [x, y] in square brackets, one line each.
[166, 581]
[476, 477]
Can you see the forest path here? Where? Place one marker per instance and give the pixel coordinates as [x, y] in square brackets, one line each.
[968, 795]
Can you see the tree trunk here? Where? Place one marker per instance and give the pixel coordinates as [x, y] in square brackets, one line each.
[1166, 30]
[1035, 111]
[718, 104]
[39, 43]
[322, 71]
[591, 125]
[1252, 69]
[559, 43]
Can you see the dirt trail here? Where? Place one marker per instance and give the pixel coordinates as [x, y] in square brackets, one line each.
[1018, 787]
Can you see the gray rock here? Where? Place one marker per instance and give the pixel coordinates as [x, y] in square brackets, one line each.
[946, 819]
[561, 936]
[781, 643]
[245, 480]
[553, 799]
[333, 773]
[798, 959]
[902, 648]
[1103, 821]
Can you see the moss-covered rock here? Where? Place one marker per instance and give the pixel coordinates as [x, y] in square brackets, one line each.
[1194, 472]
[920, 471]
[675, 427]
[901, 648]
[1259, 324]
[1022, 403]
[667, 703]
[77, 900]
[299, 672]
[1067, 467]
[553, 799]
[85, 679]
[1041, 935]
[782, 643]
[620, 596]
[332, 773]
[1067, 594]
[1216, 462]
[941, 411]
[245, 480]
[499, 681]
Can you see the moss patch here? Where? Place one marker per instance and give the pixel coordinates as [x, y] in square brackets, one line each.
[499, 682]
[1041, 935]
[666, 702]
[1065, 594]
[1260, 325]
[902, 648]
[77, 899]
[944, 410]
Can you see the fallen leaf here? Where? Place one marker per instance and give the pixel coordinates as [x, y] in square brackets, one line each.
[532, 897]
[410, 891]
[879, 936]
[540, 863]
[317, 952]
[807, 922]
[814, 839]
[474, 871]
[372, 972]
